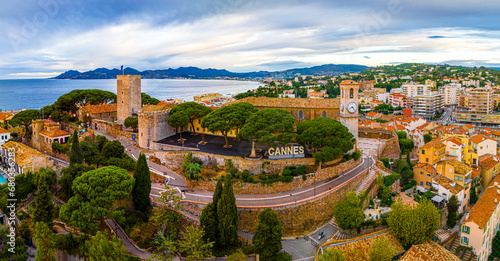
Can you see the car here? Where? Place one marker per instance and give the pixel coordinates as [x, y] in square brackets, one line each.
[321, 235]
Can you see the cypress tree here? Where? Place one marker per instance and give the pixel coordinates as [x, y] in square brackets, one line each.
[217, 194]
[227, 214]
[43, 202]
[75, 155]
[408, 159]
[209, 224]
[142, 185]
[267, 238]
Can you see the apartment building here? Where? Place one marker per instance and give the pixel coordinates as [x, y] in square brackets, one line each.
[482, 222]
[427, 106]
[489, 166]
[4, 136]
[25, 158]
[398, 99]
[413, 89]
[481, 100]
[483, 145]
[451, 94]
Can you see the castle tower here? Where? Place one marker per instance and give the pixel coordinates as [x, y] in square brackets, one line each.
[37, 128]
[349, 106]
[128, 96]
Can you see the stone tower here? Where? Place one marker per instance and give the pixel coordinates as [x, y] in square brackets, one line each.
[128, 96]
[349, 106]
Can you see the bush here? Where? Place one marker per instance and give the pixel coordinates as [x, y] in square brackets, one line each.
[347, 156]
[249, 179]
[197, 161]
[356, 155]
[389, 180]
[233, 172]
[263, 177]
[245, 174]
[59, 148]
[286, 179]
[186, 161]
[386, 162]
[412, 184]
[304, 177]
[302, 170]
[286, 172]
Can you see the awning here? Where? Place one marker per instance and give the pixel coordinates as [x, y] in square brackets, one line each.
[437, 199]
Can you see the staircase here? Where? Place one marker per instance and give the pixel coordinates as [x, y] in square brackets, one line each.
[340, 236]
[367, 181]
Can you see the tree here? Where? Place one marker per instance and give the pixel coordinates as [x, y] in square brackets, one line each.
[165, 248]
[132, 122]
[43, 202]
[188, 111]
[75, 99]
[69, 174]
[237, 256]
[44, 242]
[90, 152]
[321, 132]
[180, 120]
[401, 134]
[96, 193]
[382, 250]
[269, 126]
[326, 154]
[142, 185]
[146, 99]
[100, 248]
[24, 118]
[194, 246]
[209, 224]
[228, 118]
[473, 195]
[413, 225]
[267, 238]
[332, 255]
[495, 247]
[408, 159]
[354, 199]
[427, 137]
[407, 175]
[113, 149]
[406, 144]
[75, 156]
[192, 170]
[347, 215]
[227, 214]
[164, 215]
[452, 207]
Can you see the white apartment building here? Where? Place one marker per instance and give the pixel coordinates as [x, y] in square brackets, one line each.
[481, 100]
[451, 93]
[427, 106]
[4, 136]
[413, 89]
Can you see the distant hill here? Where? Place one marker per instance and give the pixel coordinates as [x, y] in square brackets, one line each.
[197, 73]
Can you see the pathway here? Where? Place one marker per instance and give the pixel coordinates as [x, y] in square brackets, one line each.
[132, 249]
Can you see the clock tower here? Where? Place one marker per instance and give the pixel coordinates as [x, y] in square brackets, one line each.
[349, 106]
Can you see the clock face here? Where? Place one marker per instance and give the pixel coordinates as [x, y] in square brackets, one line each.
[352, 107]
[341, 106]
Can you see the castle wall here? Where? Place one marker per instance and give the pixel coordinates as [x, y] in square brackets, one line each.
[153, 127]
[128, 96]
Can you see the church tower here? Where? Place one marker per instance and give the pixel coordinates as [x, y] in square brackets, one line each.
[128, 96]
[349, 106]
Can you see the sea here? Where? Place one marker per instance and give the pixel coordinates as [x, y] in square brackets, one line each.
[36, 93]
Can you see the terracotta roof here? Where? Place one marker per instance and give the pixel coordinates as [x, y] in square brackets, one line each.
[157, 107]
[162, 104]
[400, 127]
[2, 130]
[488, 161]
[484, 207]
[480, 137]
[428, 251]
[455, 141]
[496, 133]
[391, 128]
[376, 101]
[371, 114]
[421, 127]
[406, 199]
[24, 153]
[101, 108]
[470, 126]
[448, 184]
[289, 103]
[349, 82]
[426, 166]
[4, 115]
[459, 167]
[437, 143]
[55, 133]
[397, 95]
[49, 122]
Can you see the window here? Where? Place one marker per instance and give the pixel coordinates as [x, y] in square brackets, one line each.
[197, 128]
[351, 93]
[428, 174]
[451, 170]
[458, 178]
[481, 147]
[323, 114]
[428, 183]
[426, 159]
[421, 183]
[301, 115]
[423, 152]
[421, 172]
[464, 240]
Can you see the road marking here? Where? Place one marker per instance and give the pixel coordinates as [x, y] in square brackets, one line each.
[284, 196]
[159, 173]
[131, 154]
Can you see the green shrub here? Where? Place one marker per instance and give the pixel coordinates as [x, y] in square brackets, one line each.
[347, 156]
[304, 177]
[389, 180]
[263, 177]
[233, 172]
[386, 162]
[286, 172]
[197, 161]
[412, 184]
[286, 179]
[245, 174]
[302, 170]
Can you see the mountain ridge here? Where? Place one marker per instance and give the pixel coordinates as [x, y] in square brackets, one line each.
[192, 72]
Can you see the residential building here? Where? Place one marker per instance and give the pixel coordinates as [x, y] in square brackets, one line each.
[476, 118]
[4, 136]
[103, 111]
[427, 251]
[451, 94]
[206, 97]
[432, 152]
[5, 117]
[287, 94]
[423, 173]
[481, 100]
[489, 166]
[413, 89]
[427, 106]
[446, 188]
[482, 222]
[457, 171]
[483, 145]
[463, 101]
[366, 85]
[399, 100]
[454, 149]
[25, 158]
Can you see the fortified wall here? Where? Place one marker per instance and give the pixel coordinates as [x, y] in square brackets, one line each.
[153, 127]
[114, 129]
[390, 142]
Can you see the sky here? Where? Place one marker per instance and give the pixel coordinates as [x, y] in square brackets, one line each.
[43, 38]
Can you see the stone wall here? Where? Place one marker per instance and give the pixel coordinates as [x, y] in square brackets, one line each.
[298, 218]
[114, 130]
[391, 149]
[167, 147]
[297, 183]
[153, 127]
[173, 160]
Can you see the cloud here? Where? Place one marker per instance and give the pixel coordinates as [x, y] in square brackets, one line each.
[243, 35]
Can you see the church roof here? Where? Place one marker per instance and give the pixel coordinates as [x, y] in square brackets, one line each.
[290, 103]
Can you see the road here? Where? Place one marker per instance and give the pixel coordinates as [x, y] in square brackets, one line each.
[446, 117]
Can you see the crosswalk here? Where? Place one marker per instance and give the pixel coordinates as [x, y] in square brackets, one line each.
[338, 234]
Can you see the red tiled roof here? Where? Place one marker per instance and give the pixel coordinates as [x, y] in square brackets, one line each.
[2, 130]
[4, 115]
[162, 104]
[55, 133]
[487, 203]
[376, 101]
[101, 108]
[371, 114]
[480, 137]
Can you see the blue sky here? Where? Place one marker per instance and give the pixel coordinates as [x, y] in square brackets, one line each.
[42, 38]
